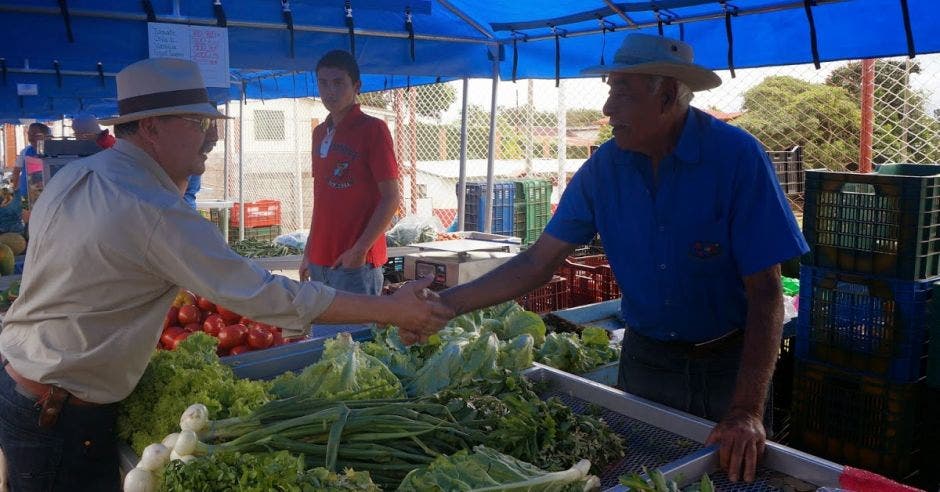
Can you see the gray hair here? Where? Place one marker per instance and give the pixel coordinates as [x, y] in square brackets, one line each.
[684, 95]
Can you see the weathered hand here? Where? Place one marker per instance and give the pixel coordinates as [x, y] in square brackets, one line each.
[304, 271]
[351, 258]
[741, 436]
[419, 313]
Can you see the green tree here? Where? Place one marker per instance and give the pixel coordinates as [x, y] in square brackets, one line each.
[581, 117]
[784, 111]
[903, 129]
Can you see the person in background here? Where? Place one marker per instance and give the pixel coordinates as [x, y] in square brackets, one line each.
[195, 180]
[111, 244]
[695, 227]
[85, 127]
[34, 133]
[355, 185]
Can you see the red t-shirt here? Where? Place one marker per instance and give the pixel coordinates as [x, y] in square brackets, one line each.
[345, 185]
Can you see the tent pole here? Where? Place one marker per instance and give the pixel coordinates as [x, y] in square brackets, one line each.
[241, 169]
[225, 156]
[462, 177]
[561, 113]
[490, 159]
[868, 103]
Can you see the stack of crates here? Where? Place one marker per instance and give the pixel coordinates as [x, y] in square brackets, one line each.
[864, 315]
[262, 220]
[533, 207]
[503, 207]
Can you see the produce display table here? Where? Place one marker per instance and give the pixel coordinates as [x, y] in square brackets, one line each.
[655, 436]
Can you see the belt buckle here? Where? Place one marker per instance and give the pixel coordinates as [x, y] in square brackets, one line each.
[51, 405]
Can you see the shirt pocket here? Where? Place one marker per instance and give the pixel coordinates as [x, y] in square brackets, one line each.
[705, 249]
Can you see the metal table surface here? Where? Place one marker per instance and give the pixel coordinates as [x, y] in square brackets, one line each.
[657, 436]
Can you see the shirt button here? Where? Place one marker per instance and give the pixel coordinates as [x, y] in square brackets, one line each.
[662, 228]
[673, 334]
[667, 302]
[662, 266]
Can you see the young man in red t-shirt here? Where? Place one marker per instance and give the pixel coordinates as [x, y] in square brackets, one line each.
[355, 185]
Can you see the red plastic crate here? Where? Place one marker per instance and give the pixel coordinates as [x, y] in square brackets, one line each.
[590, 279]
[550, 297]
[257, 214]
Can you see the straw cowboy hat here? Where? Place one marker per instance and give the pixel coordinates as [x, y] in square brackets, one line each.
[161, 87]
[657, 55]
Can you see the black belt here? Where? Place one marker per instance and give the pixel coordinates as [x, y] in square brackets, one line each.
[708, 347]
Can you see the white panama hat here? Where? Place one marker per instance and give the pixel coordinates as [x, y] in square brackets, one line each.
[161, 87]
[657, 55]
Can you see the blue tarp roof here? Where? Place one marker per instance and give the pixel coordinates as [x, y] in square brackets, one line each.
[453, 38]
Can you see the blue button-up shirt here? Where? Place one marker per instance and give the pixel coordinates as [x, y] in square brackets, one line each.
[680, 246]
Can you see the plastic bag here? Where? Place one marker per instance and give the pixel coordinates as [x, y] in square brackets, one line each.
[296, 239]
[413, 229]
[790, 307]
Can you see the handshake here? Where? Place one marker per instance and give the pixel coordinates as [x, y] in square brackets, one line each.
[418, 312]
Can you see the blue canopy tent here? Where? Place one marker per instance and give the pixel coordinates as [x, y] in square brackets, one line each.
[64, 46]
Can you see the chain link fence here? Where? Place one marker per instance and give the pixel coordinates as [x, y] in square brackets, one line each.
[544, 132]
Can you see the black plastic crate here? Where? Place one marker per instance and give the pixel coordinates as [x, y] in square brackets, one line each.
[788, 165]
[864, 323]
[874, 223]
[856, 420]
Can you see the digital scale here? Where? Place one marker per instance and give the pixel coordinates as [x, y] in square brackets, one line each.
[459, 261]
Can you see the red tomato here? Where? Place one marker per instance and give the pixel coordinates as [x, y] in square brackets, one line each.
[221, 352]
[172, 317]
[213, 324]
[229, 316]
[169, 334]
[259, 338]
[179, 339]
[278, 339]
[246, 322]
[193, 327]
[232, 336]
[205, 304]
[189, 314]
[241, 349]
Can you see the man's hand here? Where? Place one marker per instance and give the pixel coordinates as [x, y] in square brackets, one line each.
[741, 436]
[419, 312]
[351, 258]
[304, 271]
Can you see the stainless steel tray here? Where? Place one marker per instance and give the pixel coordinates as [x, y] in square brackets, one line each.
[602, 314]
[657, 436]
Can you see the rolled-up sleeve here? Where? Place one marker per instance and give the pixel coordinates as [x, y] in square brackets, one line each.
[190, 252]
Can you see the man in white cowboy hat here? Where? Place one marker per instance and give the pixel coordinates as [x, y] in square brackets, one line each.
[695, 226]
[111, 243]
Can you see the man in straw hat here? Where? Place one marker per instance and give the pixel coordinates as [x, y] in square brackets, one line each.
[695, 226]
[111, 243]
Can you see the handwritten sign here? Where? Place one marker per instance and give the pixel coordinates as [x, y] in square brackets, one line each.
[206, 46]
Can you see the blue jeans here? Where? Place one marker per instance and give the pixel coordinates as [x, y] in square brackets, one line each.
[701, 384]
[366, 279]
[78, 453]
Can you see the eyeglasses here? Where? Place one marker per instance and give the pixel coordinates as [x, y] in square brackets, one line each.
[204, 123]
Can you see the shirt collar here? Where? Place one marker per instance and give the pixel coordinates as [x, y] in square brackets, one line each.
[351, 116]
[688, 149]
[144, 161]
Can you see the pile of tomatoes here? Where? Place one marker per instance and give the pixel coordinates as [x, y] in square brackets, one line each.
[237, 334]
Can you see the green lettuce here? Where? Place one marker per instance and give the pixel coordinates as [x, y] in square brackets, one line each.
[488, 470]
[345, 372]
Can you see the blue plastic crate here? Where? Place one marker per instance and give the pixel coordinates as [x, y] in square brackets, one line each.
[503, 207]
[864, 323]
